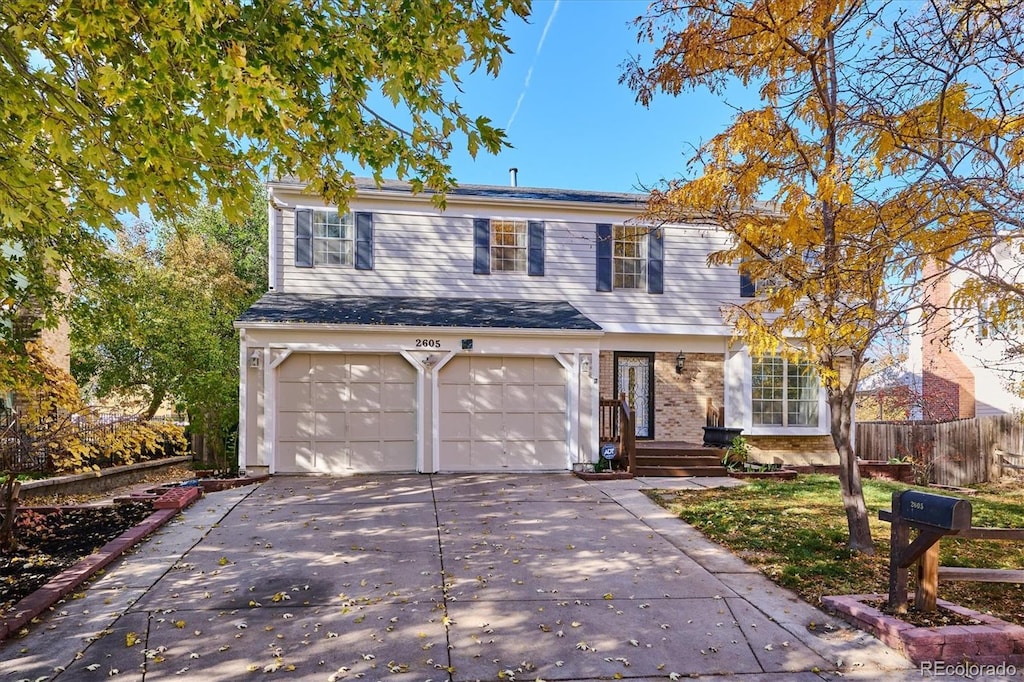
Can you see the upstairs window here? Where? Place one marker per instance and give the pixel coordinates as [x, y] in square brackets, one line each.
[333, 239]
[504, 245]
[508, 245]
[784, 392]
[326, 237]
[630, 257]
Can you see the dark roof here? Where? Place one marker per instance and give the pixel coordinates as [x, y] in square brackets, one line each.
[411, 311]
[500, 192]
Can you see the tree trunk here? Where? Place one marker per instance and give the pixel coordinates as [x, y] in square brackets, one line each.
[154, 404]
[10, 492]
[841, 405]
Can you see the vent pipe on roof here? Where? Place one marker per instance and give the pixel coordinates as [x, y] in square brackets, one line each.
[512, 180]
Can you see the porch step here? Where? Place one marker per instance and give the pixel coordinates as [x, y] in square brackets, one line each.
[681, 472]
[658, 461]
[646, 458]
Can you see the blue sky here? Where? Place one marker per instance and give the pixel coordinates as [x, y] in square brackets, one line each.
[576, 127]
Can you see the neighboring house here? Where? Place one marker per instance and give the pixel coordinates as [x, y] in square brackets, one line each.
[961, 366]
[481, 337]
[54, 343]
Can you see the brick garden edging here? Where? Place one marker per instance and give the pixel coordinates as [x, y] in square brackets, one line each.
[603, 475]
[993, 642]
[166, 507]
[214, 485]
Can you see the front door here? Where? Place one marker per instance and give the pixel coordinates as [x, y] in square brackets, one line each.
[634, 376]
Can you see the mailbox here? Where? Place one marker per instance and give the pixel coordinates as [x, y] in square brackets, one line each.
[939, 511]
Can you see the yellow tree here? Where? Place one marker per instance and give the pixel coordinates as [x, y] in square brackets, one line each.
[951, 123]
[798, 180]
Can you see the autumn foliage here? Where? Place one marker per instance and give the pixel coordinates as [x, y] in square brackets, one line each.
[51, 432]
[880, 135]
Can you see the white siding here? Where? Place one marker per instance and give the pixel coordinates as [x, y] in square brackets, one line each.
[424, 254]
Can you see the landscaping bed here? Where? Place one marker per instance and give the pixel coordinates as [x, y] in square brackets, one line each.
[71, 522]
[795, 532]
[54, 539]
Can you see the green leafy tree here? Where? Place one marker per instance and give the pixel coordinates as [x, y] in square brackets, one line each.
[108, 106]
[164, 331]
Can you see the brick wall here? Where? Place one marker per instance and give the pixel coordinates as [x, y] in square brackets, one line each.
[680, 399]
[681, 408]
[796, 450]
[56, 344]
[947, 384]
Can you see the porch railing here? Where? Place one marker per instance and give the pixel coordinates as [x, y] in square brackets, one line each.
[618, 425]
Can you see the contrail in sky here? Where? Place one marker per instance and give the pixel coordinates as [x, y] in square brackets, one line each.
[529, 73]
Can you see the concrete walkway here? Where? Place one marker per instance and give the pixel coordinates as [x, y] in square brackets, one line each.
[484, 577]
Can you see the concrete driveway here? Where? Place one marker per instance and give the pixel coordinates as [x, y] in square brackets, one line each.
[485, 577]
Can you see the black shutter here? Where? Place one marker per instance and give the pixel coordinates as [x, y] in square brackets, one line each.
[364, 241]
[303, 238]
[747, 286]
[656, 261]
[604, 257]
[481, 246]
[536, 248]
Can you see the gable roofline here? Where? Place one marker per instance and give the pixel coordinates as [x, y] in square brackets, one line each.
[367, 187]
[396, 190]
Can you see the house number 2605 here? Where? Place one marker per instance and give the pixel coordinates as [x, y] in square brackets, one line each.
[428, 343]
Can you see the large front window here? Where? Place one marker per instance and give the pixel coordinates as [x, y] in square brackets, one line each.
[508, 246]
[630, 254]
[784, 392]
[332, 238]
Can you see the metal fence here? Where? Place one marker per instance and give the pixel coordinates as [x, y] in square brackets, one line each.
[34, 446]
[955, 453]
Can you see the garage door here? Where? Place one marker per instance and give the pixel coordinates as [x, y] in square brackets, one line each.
[345, 413]
[503, 414]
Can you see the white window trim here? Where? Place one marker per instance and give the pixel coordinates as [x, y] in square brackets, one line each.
[643, 258]
[739, 402]
[518, 222]
[351, 240]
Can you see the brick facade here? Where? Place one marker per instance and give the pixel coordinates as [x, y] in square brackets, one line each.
[947, 384]
[680, 399]
[681, 402]
[56, 345]
[795, 450]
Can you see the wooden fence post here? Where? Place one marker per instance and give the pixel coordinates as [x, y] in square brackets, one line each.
[899, 538]
[927, 580]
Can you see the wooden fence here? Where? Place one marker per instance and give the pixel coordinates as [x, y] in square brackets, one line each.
[953, 453]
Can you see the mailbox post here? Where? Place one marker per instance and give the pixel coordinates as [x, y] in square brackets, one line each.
[934, 516]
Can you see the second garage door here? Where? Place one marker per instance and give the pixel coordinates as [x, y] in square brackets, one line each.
[503, 414]
[345, 413]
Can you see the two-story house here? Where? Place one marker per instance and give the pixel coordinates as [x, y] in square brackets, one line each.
[959, 364]
[397, 336]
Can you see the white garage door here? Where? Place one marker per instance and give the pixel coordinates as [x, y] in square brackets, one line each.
[503, 414]
[345, 413]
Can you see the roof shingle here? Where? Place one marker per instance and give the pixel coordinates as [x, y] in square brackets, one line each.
[412, 311]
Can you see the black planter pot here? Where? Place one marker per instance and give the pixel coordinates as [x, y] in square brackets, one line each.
[720, 436]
